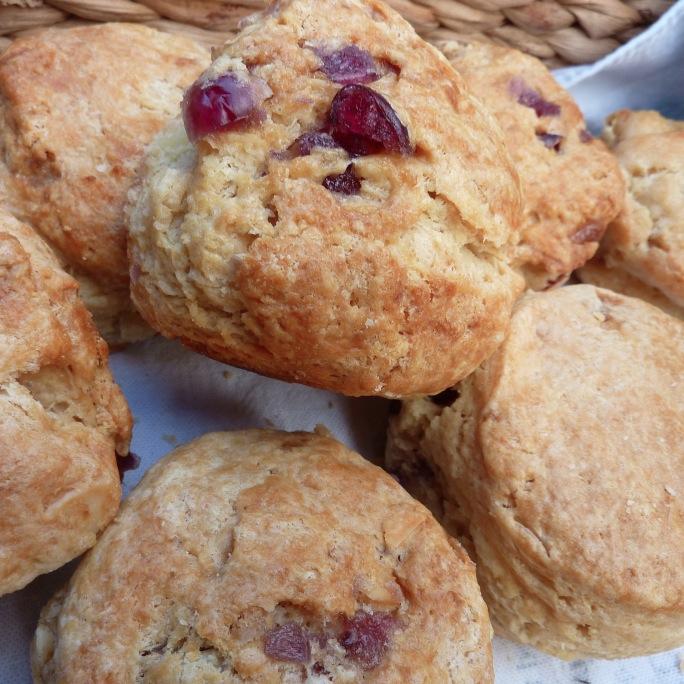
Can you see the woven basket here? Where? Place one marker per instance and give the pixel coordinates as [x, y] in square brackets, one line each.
[560, 32]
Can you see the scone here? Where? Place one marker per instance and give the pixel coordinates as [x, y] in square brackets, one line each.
[646, 241]
[338, 211]
[77, 108]
[62, 418]
[597, 272]
[572, 187]
[560, 462]
[267, 556]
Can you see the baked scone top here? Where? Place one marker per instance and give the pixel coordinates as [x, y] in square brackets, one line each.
[271, 557]
[62, 418]
[77, 108]
[562, 461]
[596, 463]
[243, 248]
[647, 238]
[572, 187]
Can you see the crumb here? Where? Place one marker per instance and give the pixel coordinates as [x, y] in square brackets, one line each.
[322, 430]
[669, 490]
[330, 404]
[170, 439]
[227, 375]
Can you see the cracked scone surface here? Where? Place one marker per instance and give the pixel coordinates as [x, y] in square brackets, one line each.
[240, 548]
[77, 108]
[572, 186]
[646, 241]
[240, 251]
[62, 418]
[562, 464]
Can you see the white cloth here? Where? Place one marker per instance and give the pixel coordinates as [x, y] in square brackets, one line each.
[176, 395]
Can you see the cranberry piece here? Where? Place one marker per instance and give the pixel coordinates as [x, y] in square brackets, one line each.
[128, 462]
[445, 398]
[319, 669]
[217, 105]
[366, 637]
[585, 136]
[305, 143]
[347, 183]
[348, 65]
[287, 642]
[531, 98]
[363, 122]
[551, 140]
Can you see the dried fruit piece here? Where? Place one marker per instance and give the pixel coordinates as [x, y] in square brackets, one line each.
[219, 105]
[529, 97]
[346, 183]
[363, 122]
[348, 65]
[366, 637]
[306, 142]
[288, 642]
[551, 140]
[125, 463]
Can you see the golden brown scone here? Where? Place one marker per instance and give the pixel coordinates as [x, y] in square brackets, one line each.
[646, 241]
[371, 262]
[77, 108]
[62, 418]
[572, 187]
[597, 272]
[267, 556]
[562, 463]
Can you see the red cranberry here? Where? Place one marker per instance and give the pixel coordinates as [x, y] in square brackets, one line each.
[217, 105]
[551, 140]
[347, 183]
[288, 642]
[305, 143]
[348, 65]
[125, 463]
[366, 637]
[531, 98]
[363, 122]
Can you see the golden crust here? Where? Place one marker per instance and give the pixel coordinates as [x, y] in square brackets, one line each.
[569, 196]
[77, 108]
[62, 418]
[236, 533]
[597, 272]
[245, 255]
[562, 460]
[647, 238]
